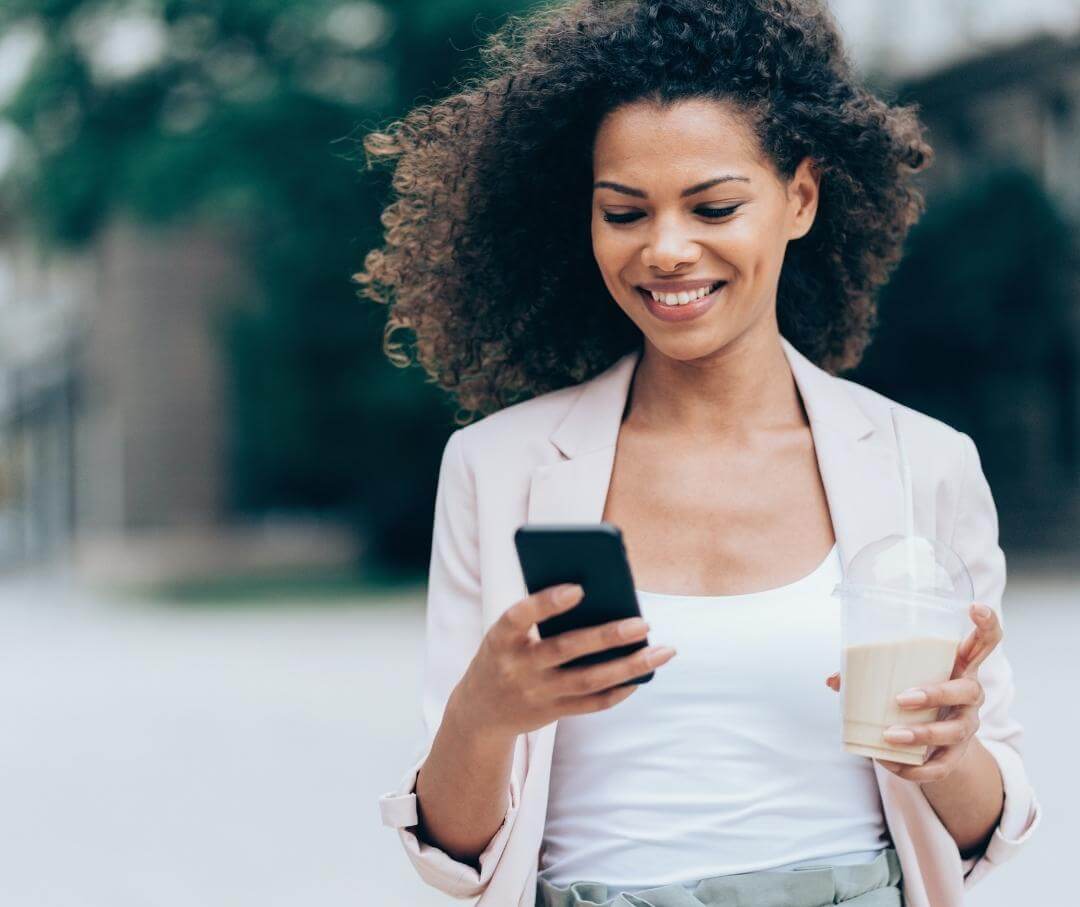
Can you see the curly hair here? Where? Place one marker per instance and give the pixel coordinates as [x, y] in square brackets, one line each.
[487, 240]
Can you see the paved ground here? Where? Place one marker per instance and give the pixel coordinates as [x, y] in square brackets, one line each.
[156, 756]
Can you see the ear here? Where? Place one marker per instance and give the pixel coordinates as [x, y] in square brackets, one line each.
[803, 192]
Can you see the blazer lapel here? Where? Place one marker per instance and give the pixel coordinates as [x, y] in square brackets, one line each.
[574, 490]
[856, 458]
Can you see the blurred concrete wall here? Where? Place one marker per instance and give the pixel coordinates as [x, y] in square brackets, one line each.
[152, 436]
[152, 445]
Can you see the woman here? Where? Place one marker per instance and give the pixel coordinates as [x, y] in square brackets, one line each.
[663, 223]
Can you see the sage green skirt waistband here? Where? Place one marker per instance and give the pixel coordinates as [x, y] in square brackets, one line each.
[873, 884]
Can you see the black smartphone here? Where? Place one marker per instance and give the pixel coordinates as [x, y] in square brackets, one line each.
[594, 557]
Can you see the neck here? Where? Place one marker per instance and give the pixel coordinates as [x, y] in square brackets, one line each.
[745, 386]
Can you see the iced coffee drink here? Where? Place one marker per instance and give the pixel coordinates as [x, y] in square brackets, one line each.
[875, 674]
[905, 603]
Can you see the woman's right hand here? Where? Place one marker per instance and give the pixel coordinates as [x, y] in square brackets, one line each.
[514, 683]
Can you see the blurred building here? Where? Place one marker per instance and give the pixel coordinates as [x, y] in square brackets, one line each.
[113, 410]
[41, 307]
[899, 41]
[112, 399]
[1018, 107]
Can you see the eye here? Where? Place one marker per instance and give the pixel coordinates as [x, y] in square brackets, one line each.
[710, 213]
[717, 213]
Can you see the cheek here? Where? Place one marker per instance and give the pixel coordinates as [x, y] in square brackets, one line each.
[614, 259]
[756, 257]
[610, 254]
[747, 246]
[609, 263]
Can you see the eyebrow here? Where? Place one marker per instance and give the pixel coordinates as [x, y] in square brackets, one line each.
[692, 190]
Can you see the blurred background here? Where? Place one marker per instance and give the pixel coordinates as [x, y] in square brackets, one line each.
[216, 494]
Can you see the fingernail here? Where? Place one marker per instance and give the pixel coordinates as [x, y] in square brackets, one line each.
[657, 656]
[899, 735]
[631, 627]
[982, 611]
[912, 697]
[569, 594]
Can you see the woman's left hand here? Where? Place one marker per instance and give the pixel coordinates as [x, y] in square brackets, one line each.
[960, 696]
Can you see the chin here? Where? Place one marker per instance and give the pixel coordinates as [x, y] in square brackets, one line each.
[689, 348]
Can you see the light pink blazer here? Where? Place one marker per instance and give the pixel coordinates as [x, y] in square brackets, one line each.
[549, 459]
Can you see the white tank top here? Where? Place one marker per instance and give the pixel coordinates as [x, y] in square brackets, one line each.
[729, 760]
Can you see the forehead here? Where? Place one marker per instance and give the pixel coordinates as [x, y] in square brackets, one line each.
[688, 139]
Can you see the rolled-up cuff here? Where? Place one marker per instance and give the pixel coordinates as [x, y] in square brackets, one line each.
[435, 866]
[1020, 814]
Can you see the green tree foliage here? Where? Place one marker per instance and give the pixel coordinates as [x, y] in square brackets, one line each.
[249, 112]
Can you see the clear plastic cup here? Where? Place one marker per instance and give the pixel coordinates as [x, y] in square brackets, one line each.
[904, 612]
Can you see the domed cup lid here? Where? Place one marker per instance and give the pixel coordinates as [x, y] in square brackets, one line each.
[918, 568]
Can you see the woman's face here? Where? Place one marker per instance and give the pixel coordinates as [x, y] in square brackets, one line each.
[683, 199]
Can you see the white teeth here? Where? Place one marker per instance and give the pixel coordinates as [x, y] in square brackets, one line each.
[673, 299]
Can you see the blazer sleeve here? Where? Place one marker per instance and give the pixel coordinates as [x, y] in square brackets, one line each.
[453, 632]
[975, 539]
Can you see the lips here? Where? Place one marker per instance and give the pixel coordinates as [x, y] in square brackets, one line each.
[683, 312]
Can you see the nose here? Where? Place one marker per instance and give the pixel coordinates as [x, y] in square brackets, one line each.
[670, 247]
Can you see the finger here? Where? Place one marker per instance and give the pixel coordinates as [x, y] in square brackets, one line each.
[574, 682]
[516, 621]
[987, 635]
[940, 764]
[833, 682]
[596, 702]
[963, 653]
[938, 733]
[564, 647]
[961, 691]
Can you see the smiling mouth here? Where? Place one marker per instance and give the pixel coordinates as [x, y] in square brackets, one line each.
[674, 300]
